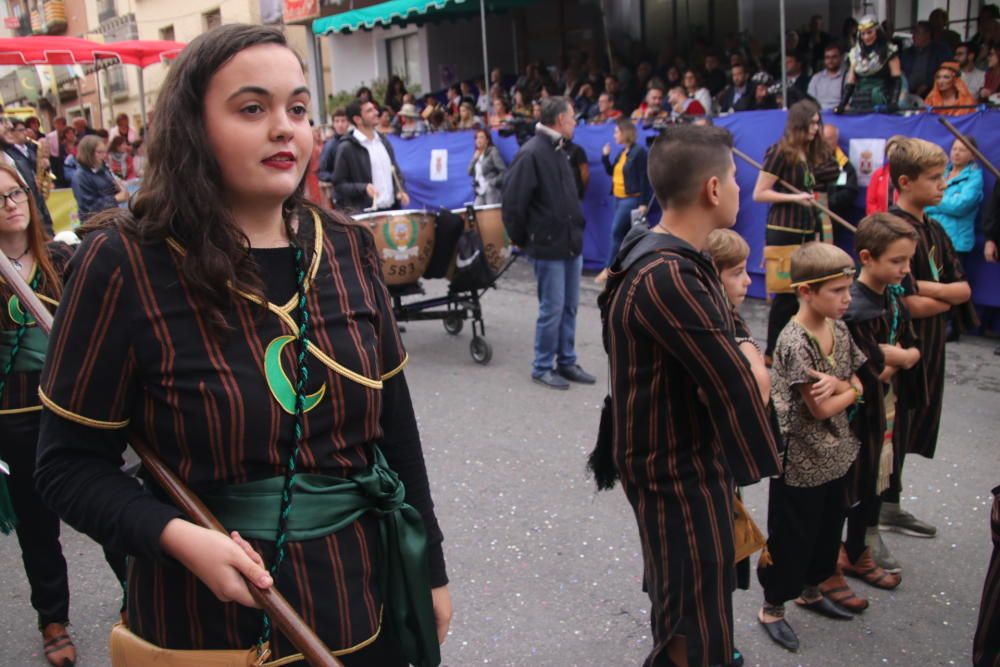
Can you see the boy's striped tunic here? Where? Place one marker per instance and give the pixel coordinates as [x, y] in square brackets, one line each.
[669, 332]
[130, 353]
[921, 388]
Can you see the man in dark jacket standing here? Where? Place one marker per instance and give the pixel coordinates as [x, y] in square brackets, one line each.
[328, 157]
[365, 173]
[24, 155]
[543, 216]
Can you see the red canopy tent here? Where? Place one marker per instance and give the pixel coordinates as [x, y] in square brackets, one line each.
[46, 50]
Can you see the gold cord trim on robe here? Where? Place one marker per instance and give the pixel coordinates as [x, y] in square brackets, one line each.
[19, 411]
[289, 659]
[284, 313]
[78, 418]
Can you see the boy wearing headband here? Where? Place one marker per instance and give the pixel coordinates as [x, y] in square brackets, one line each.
[814, 389]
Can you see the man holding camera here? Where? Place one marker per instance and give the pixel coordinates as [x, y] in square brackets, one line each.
[542, 215]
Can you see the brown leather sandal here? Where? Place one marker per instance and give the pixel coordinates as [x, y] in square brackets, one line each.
[836, 589]
[867, 569]
[59, 648]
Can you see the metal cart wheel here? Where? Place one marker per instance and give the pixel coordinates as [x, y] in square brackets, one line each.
[453, 323]
[480, 350]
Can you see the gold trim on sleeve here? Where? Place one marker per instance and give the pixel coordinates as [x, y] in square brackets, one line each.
[79, 419]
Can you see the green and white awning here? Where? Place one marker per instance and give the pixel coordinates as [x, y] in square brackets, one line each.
[399, 12]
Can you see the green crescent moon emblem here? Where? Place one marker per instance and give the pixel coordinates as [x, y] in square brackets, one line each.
[277, 381]
[17, 313]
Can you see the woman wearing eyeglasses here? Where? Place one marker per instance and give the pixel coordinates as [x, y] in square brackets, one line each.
[22, 351]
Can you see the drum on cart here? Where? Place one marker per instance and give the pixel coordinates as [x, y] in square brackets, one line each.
[496, 243]
[405, 241]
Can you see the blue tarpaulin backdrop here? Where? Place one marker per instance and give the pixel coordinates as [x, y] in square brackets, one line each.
[753, 132]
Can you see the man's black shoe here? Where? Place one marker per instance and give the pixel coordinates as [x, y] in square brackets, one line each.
[826, 607]
[576, 374]
[782, 634]
[551, 380]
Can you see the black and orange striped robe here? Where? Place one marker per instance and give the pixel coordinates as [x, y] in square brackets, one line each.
[129, 352]
[669, 332]
[986, 645]
[921, 388]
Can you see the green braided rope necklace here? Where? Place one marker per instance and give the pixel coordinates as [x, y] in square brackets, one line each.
[21, 330]
[302, 376]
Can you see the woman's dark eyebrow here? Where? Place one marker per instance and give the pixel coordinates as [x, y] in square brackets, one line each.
[257, 90]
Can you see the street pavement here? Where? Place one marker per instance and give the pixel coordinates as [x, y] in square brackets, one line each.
[545, 572]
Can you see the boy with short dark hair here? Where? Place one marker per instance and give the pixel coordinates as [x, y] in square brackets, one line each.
[880, 325]
[935, 285]
[670, 336]
[814, 388]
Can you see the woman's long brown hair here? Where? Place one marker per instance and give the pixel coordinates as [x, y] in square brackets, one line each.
[181, 193]
[795, 141]
[37, 236]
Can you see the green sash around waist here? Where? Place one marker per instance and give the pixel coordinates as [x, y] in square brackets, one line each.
[322, 505]
[30, 354]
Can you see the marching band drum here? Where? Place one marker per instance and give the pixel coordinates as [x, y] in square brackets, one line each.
[405, 241]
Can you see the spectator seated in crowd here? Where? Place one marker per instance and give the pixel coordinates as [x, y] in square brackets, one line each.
[921, 60]
[798, 79]
[682, 106]
[385, 124]
[950, 91]
[694, 90]
[522, 105]
[605, 108]
[651, 108]
[394, 94]
[991, 84]
[763, 91]
[467, 118]
[94, 187]
[438, 121]
[585, 102]
[974, 78]
[826, 85]
[737, 96]
[501, 113]
[714, 77]
[410, 123]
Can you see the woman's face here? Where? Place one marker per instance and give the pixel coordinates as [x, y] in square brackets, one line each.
[944, 80]
[960, 155]
[519, 98]
[993, 58]
[480, 141]
[70, 137]
[869, 36]
[618, 136]
[100, 154]
[673, 74]
[690, 82]
[760, 92]
[14, 217]
[498, 107]
[257, 123]
[464, 113]
[814, 127]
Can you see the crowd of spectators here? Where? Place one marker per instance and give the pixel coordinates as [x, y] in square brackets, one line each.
[939, 70]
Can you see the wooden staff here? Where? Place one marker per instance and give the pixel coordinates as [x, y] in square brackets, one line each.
[284, 616]
[968, 144]
[788, 186]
